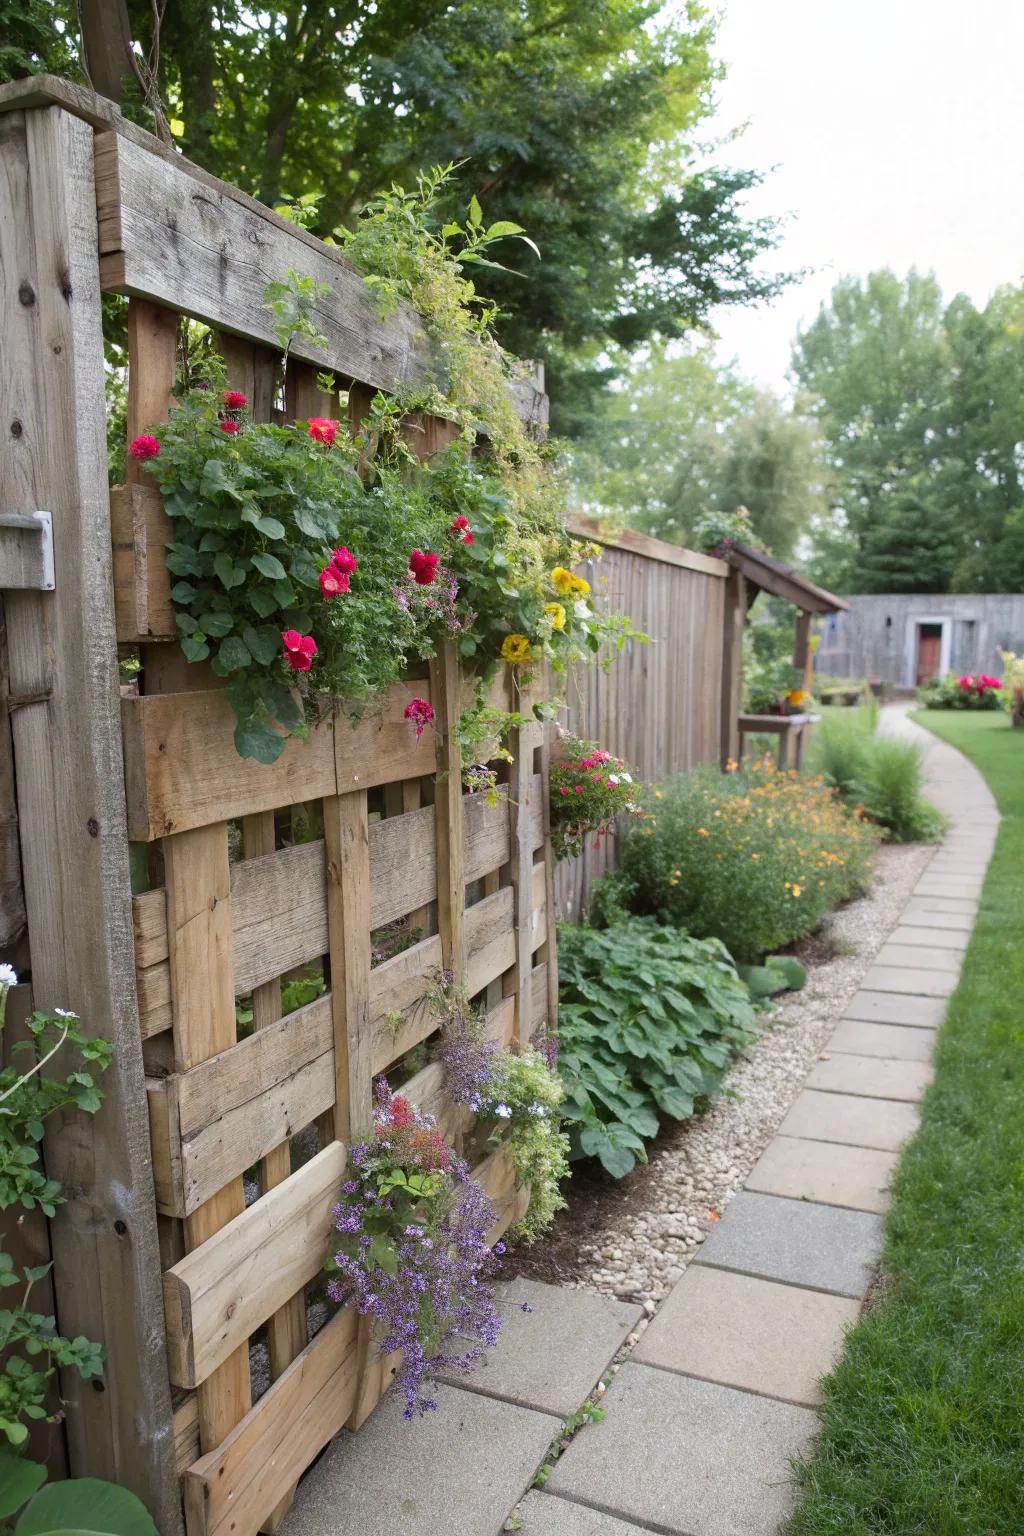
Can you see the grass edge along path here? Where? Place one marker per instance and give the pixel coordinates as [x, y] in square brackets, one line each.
[923, 1422]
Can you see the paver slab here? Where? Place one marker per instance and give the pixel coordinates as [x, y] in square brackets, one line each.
[544, 1514]
[910, 980]
[826, 1171]
[962, 906]
[553, 1356]
[922, 916]
[957, 886]
[882, 1123]
[923, 957]
[682, 1455]
[459, 1469]
[873, 1076]
[823, 1246]
[894, 1008]
[748, 1332]
[927, 936]
[894, 1040]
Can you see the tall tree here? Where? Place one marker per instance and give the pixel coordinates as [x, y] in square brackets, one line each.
[575, 118]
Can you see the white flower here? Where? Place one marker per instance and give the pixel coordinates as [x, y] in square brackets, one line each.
[8, 976]
[625, 778]
[503, 1111]
[613, 778]
[65, 1013]
[538, 1109]
[581, 609]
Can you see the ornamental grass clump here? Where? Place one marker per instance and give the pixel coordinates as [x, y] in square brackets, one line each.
[754, 857]
[589, 789]
[412, 1248]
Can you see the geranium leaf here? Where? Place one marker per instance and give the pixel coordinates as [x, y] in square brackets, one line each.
[269, 566]
[258, 739]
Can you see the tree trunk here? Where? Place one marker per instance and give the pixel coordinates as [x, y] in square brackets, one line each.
[107, 46]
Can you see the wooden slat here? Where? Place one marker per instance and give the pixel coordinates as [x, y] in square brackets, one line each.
[651, 549]
[218, 1295]
[141, 531]
[286, 1330]
[183, 771]
[732, 662]
[347, 841]
[449, 818]
[162, 238]
[233, 1490]
[521, 791]
[67, 753]
[199, 945]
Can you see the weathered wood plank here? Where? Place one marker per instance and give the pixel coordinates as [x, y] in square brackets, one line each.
[237, 1486]
[521, 791]
[449, 817]
[166, 238]
[141, 531]
[67, 751]
[347, 843]
[734, 619]
[218, 1295]
[651, 549]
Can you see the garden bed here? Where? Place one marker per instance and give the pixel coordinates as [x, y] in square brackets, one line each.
[633, 1238]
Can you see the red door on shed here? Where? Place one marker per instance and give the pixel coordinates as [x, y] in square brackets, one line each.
[929, 652]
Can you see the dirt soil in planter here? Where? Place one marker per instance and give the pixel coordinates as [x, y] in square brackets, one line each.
[633, 1237]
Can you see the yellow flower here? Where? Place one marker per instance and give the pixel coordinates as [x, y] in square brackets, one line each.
[798, 697]
[798, 890]
[563, 580]
[516, 649]
[580, 585]
[658, 795]
[557, 613]
[731, 765]
[703, 832]
[673, 882]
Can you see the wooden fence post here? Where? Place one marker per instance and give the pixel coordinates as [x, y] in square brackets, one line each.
[732, 664]
[71, 801]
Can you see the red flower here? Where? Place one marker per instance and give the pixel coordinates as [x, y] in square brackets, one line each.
[564, 790]
[461, 525]
[322, 430]
[143, 447]
[299, 650]
[469, 538]
[344, 560]
[400, 1111]
[233, 399]
[231, 427]
[423, 567]
[333, 582]
[421, 712]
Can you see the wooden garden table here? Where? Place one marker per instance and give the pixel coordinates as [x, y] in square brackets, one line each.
[792, 731]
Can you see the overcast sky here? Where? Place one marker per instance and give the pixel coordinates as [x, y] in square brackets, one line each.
[897, 130]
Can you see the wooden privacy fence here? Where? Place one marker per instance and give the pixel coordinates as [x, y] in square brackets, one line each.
[661, 705]
[189, 1271]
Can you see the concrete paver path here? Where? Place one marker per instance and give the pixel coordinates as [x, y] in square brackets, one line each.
[722, 1390]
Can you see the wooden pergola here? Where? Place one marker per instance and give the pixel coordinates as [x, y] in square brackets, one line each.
[752, 572]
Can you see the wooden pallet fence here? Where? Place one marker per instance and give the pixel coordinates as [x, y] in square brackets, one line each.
[245, 875]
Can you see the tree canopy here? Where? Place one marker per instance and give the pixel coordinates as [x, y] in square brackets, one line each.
[575, 118]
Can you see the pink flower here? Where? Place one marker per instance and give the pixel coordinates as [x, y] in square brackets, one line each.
[564, 790]
[333, 583]
[577, 789]
[469, 538]
[299, 650]
[423, 567]
[233, 399]
[144, 447]
[230, 427]
[965, 682]
[420, 712]
[461, 526]
[344, 560]
[984, 682]
[323, 430]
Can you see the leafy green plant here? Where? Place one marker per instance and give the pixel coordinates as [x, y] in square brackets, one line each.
[80, 1504]
[779, 973]
[30, 1346]
[649, 1019]
[754, 857]
[589, 788]
[881, 774]
[967, 692]
[523, 1084]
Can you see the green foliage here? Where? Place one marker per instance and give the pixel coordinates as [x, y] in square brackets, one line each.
[881, 774]
[768, 671]
[921, 407]
[30, 1346]
[952, 692]
[754, 858]
[524, 1084]
[921, 1421]
[292, 304]
[649, 1019]
[81, 1504]
[779, 973]
[589, 788]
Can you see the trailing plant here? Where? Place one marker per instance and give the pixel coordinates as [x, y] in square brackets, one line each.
[589, 788]
[649, 1019]
[516, 1097]
[717, 532]
[412, 1251]
[31, 1347]
[754, 857]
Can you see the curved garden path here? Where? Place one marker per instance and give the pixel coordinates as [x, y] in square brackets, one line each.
[707, 1411]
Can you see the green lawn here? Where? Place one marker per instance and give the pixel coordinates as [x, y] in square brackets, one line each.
[924, 1419]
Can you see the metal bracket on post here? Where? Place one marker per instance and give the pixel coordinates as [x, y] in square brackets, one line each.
[26, 552]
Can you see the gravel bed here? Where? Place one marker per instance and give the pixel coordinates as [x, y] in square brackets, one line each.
[633, 1237]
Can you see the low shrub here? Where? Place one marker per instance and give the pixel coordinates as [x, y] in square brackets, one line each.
[754, 858]
[881, 774]
[649, 1019]
[967, 692]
